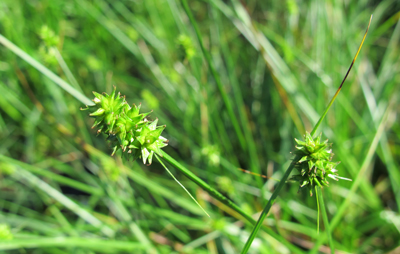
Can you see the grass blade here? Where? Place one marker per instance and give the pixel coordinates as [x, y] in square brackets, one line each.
[271, 201]
[344, 79]
[325, 217]
[214, 73]
[183, 187]
[56, 79]
[46, 188]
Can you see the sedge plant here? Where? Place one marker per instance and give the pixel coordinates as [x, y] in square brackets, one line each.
[137, 45]
[140, 152]
[139, 138]
[313, 162]
[129, 130]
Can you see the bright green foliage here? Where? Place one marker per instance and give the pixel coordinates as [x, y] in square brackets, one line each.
[47, 49]
[5, 232]
[278, 63]
[48, 36]
[125, 127]
[315, 164]
[185, 45]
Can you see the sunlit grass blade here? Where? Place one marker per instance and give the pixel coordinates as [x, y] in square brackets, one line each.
[66, 70]
[56, 79]
[288, 171]
[144, 181]
[340, 87]
[55, 177]
[88, 243]
[282, 76]
[61, 198]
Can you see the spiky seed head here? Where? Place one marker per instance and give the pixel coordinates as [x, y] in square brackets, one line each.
[315, 165]
[125, 127]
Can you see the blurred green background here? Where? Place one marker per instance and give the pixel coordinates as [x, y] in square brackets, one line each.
[279, 63]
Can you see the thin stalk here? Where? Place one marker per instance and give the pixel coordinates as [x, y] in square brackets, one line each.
[316, 190]
[214, 73]
[289, 170]
[54, 177]
[183, 187]
[34, 181]
[38, 66]
[325, 217]
[340, 87]
[102, 245]
[66, 70]
[361, 173]
[229, 203]
[269, 205]
[216, 194]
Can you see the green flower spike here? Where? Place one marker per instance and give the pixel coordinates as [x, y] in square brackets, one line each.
[315, 164]
[106, 110]
[126, 128]
[147, 142]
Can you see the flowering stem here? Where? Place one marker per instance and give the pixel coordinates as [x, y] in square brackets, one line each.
[205, 186]
[340, 87]
[271, 201]
[56, 79]
[297, 158]
[318, 190]
[229, 203]
[176, 180]
[232, 205]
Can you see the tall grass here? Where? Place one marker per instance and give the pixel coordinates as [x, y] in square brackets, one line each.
[276, 64]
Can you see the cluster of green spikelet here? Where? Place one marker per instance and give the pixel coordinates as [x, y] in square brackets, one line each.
[315, 164]
[125, 127]
[135, 135]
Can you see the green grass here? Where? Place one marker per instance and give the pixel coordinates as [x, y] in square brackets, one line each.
[269, 72]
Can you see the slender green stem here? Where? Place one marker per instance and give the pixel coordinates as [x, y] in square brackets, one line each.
[221, 89]
[66, 70]
[183, 187]
[341, 85]
[325, 218]
[217, 195]
[361, 173]
[316, 190]
[288, 171]
[56, 79]
[55, 177]
[205, 186]
[269, 205]
[102, 245]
